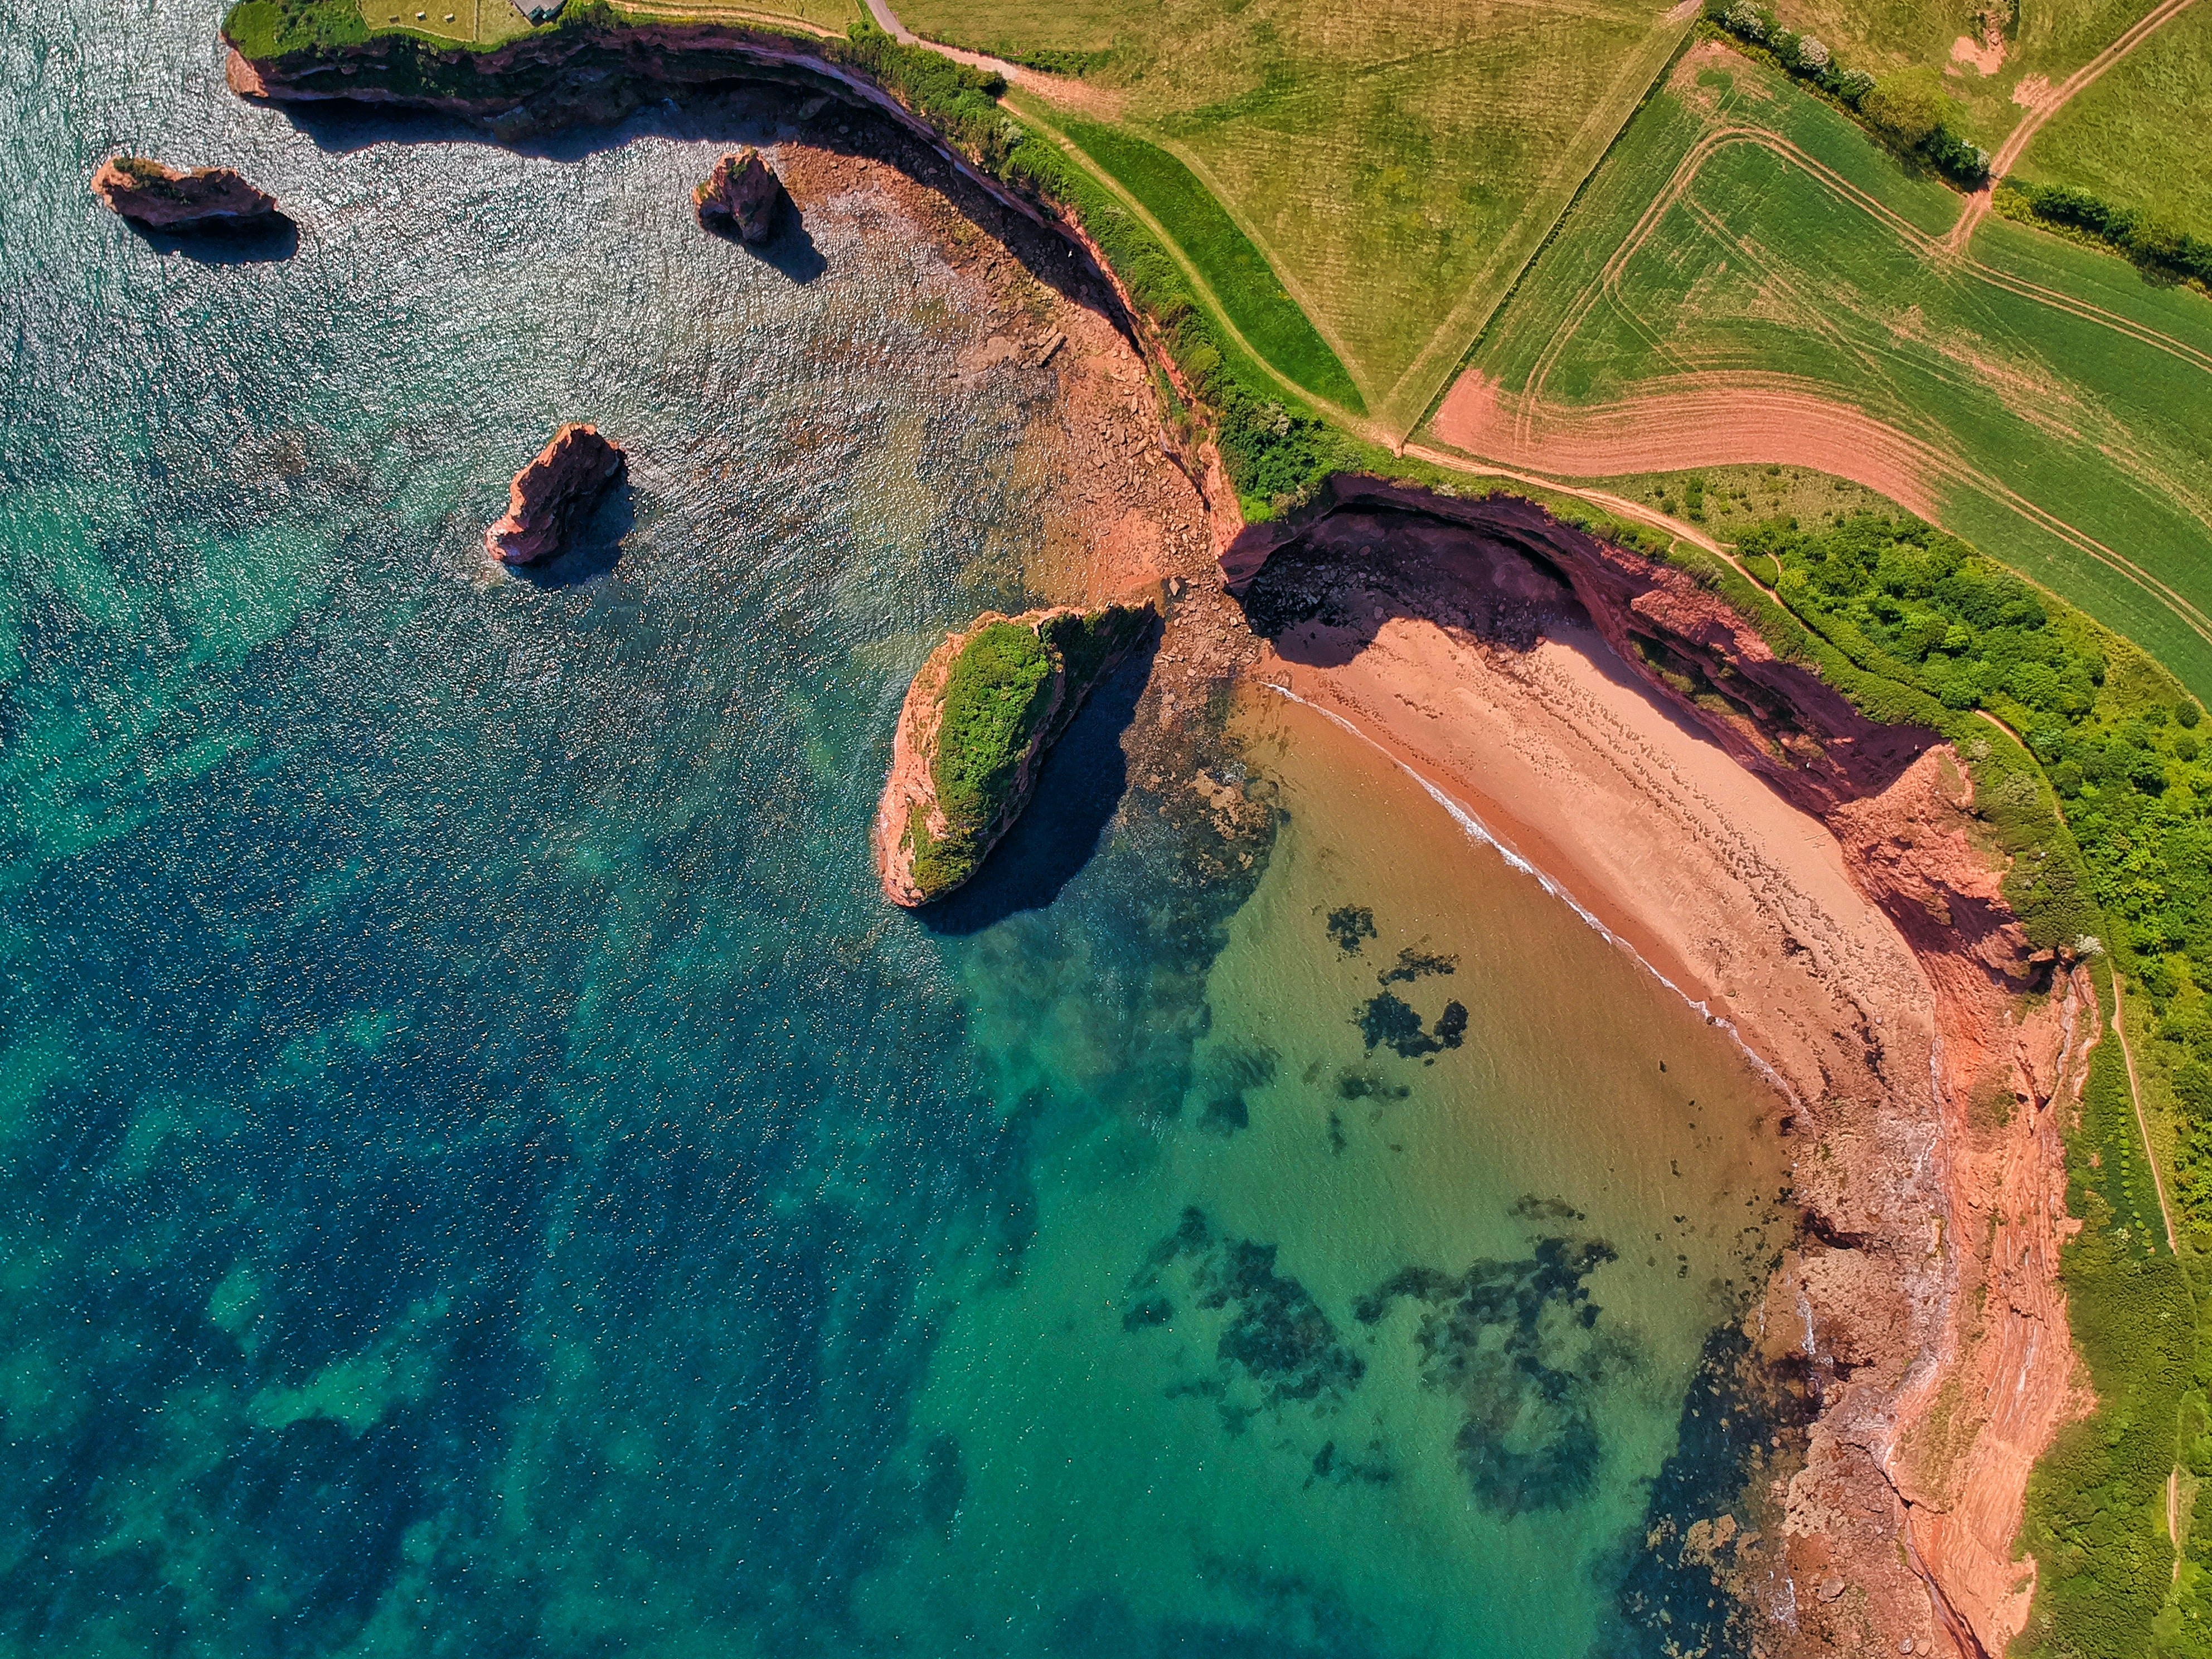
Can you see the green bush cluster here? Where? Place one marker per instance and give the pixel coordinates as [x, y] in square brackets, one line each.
[263, 29]
[1057, 60]
[996, 698]
[1908, 108]
[2156, 247]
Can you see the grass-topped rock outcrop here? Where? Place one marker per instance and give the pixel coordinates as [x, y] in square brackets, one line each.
[973, 734]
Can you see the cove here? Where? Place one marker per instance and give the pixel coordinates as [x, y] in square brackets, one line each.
[485, 1171]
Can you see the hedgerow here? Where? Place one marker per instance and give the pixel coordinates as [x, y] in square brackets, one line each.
[2163, 249]
[2095, 1507]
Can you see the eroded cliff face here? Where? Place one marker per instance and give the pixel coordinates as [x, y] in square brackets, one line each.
[1918, 1313]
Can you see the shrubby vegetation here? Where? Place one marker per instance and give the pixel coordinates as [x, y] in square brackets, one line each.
[995, 699]
[1908, 109]
[2160, 248]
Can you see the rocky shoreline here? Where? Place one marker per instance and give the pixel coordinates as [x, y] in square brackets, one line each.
[1895, 1521]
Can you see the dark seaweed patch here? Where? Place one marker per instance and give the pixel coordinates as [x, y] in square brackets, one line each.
[1414, 963]
[1343, 1468]
[1152, 1310]
[1394, 1024]
[1229, 1073]
[1350, 925]
[1688, 1583]
[1276, 1339]
[1364, 1085]
[1516, 1343]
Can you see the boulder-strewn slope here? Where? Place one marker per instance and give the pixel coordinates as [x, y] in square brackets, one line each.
[977, 721]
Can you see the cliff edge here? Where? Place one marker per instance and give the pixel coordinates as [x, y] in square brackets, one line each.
[977, 721]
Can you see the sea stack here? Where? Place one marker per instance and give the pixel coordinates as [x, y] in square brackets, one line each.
[553, 495]
[157, 197]
[741, 194]
[973, 734]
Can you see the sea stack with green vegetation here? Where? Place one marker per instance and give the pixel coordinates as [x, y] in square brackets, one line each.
[157, 197]
[973, 734]
[740, 195]
[553, 495]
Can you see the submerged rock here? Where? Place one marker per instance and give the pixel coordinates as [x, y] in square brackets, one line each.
[554, 494]
[158, 197]
[973, 734]
[740, 193]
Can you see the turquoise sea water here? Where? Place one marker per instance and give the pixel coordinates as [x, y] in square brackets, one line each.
[485, 1173]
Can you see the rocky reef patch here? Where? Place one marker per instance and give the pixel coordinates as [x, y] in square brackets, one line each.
[204, 201]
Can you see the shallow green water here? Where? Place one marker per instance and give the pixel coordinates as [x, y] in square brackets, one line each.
[485, 1173]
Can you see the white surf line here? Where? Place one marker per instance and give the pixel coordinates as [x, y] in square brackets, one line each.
[1479, 831]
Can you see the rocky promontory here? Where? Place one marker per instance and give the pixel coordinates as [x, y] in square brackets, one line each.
[973, 732]
[553, 495]
[741, 195]
[157, 197]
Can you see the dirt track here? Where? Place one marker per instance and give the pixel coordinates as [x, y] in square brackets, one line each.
[2053, 100]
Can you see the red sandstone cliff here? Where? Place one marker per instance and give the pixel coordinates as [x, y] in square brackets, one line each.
[158, 197]
[553, 495]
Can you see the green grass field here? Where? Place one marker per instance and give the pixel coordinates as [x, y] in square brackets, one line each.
[1396, 163]
[2137, 137]
[2049, 41]
[2063, 432]
[1242, 280]
[491, 22]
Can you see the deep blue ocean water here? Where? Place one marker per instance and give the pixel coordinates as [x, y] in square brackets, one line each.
[485, 1172]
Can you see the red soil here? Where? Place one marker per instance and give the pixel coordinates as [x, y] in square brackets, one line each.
[1692, 421]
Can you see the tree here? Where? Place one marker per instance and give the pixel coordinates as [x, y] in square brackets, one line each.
[1908, 106]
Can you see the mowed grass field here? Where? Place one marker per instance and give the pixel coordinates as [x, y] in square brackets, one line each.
[489, 22]
[2054, 408]
[2141, 135]
[2047, 41]
[1243, 281]
[1396, 163]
